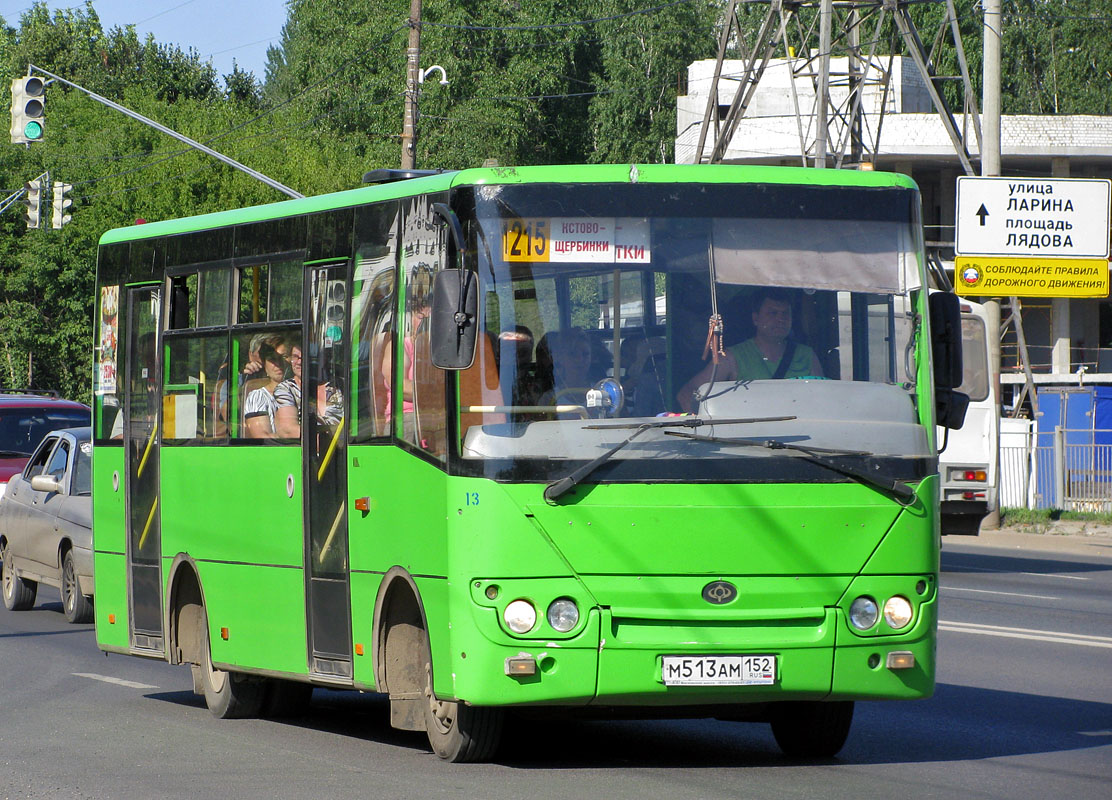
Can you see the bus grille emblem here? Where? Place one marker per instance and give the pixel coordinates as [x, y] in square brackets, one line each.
[719, 592]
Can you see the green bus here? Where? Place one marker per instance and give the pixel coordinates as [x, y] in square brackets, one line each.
[491, 442]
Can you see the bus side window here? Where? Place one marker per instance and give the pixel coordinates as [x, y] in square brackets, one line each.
[191, 392]
[424, 417]
[372, 313]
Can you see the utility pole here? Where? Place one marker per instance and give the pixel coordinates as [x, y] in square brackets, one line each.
[990, 167]
[822, 126]
[412, 87]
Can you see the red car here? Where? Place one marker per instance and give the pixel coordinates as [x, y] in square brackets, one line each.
[26, 416]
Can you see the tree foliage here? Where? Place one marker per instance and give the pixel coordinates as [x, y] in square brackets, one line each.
[530, 81]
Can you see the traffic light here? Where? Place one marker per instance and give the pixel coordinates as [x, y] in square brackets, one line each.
[334, 301]
[28, 105]
[32, 198]
[58, 216]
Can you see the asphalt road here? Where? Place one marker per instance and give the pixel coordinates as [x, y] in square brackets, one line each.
[1023, 710]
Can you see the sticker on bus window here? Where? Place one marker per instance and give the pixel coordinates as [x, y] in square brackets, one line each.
[593, 240]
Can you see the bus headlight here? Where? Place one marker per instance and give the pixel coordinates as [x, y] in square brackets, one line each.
[520, 616]
[563, 614]
[863, 613]
[897, 612]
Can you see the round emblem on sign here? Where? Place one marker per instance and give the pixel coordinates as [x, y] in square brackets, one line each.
[970, 276]
[719, 592]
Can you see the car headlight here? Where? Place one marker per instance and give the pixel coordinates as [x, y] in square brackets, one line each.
[520, 616]
[897, 612]
[863, 613]
[563, 614]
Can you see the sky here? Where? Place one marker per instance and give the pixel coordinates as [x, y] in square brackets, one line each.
[219, 30]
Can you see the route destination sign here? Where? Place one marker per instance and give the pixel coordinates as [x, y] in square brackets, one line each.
[1055, 217]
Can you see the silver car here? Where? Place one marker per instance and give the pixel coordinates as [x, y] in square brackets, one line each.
[46, 526]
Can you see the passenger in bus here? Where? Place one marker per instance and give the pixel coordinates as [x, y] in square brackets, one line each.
[769, 354]
[287, 398]
[249, 378]
[642, 368]
[515, 349]
[260, 404]
[571, 366]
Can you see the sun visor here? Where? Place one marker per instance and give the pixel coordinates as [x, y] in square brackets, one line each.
[845, 255]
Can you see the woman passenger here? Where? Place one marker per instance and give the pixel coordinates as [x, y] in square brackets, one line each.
[259, 407]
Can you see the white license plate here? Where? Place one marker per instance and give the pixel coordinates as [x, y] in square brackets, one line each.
[718, 670]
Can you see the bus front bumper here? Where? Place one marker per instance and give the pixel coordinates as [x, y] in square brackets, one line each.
[618, 661]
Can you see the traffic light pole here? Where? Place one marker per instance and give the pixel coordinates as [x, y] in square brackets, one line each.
[169, 132]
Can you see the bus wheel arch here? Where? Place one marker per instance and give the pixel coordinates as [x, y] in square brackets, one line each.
[399, 625]
[456, 731]
[184, 619]
[228, 695]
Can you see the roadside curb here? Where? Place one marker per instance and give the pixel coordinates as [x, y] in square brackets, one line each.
[1096, 542]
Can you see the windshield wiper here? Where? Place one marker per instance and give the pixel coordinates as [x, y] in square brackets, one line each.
[824, 457]
[558, 488]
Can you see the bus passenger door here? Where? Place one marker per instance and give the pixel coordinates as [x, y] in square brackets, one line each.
[324, 447]
[140, 432]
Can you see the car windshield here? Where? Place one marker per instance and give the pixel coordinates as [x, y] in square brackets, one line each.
[597, 303]
[21, 429]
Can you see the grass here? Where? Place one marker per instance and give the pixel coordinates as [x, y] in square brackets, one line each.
[1044, 516]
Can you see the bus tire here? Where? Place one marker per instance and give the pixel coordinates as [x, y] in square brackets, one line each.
[812, 729]
[19, 594]
[76, 606]
[460, 733]
[228, 695]
[283, 699]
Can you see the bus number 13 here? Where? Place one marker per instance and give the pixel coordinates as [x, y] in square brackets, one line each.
[525, 240]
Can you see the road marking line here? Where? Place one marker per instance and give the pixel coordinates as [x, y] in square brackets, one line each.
[1013, 572]
[1081, 639]
[1009, 594]
[1055, 575]
[117, 681]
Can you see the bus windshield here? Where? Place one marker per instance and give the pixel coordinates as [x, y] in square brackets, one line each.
[597, 305]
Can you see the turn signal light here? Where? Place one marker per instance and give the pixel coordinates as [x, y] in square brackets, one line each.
[900, 659]
[521, 664]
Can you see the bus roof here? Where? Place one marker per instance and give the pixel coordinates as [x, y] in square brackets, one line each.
[584, 173]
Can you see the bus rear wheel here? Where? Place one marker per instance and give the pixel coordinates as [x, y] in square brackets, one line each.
[458, 732]
[228, 695]
[812, 729]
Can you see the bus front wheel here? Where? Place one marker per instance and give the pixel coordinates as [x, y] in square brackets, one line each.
[812, 729]
[228, 695]
[458, 732]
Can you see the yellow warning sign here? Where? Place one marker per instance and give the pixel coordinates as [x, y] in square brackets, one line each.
[1007, 276]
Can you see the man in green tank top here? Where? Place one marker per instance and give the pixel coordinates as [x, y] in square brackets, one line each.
[768, 355]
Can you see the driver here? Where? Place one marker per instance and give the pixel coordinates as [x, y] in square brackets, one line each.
[769, 354]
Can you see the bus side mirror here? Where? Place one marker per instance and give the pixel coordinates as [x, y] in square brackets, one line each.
[453, 323]
[950, 405]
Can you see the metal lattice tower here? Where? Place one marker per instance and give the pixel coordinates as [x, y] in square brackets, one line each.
[848, 46]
